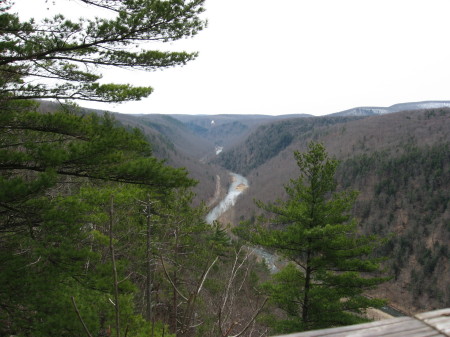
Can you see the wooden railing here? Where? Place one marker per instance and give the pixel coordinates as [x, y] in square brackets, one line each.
[433, 323]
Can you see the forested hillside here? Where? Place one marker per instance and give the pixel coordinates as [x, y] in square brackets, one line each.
[226, 131]
[170, 140]
[399, 162]
[173, 142]
[272, 138]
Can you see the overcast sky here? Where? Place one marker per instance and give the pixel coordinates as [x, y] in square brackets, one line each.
[298, 56]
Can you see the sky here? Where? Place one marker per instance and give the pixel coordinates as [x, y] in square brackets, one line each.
[294, 57]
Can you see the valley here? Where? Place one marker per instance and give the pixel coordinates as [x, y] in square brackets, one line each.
[399, 162]
[156, 222]
[165, 173]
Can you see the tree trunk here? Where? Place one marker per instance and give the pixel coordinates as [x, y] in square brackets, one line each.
[175, 283]
[305, 306]
[116, 283]
[149, 284]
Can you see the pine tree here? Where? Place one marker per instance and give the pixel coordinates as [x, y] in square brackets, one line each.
[70, 52]
[330, 264]
[37, 150]
[46, 158]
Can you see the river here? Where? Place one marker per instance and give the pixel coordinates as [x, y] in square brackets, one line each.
[238, 185]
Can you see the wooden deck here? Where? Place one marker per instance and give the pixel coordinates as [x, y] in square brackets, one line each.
[429, 324]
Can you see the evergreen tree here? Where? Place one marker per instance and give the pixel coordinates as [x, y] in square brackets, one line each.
[46, 162]
[69, 52]
[40, 151]
[49, 250]
[330, 263]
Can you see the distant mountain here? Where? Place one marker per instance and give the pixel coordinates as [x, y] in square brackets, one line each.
[179, 135]
[370, 111]
[270, 139]
[227, 130]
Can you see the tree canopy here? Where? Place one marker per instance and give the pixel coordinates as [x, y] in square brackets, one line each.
[330, 264]
[70, 181]
[59, 58]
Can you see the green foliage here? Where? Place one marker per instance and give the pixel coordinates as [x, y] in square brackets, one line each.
[40, 150]
[67, 255]
[331, 263]
[54, 174]
[93, 228]
[71, 51]
[189, 248]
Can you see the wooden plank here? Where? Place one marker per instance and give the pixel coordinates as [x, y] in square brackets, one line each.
[436, 313]
[438, 319]
[331, 331]
[423, 332]
[411, 328]
[430, 324]
[440, 323]
[379, 328]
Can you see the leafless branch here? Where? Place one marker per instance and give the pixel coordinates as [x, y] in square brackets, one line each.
[80, 318]
[252, 319]
[170, 280]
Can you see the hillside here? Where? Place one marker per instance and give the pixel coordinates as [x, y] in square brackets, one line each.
[267, 141]
[225, 131]
[192, 142]
[399, 162]
[171, 141]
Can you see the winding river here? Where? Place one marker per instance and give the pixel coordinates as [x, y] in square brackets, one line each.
[240, 184]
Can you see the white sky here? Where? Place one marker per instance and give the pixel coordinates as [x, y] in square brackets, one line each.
[298, 56]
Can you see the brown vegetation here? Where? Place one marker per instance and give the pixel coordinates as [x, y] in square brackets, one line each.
[377, 154]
